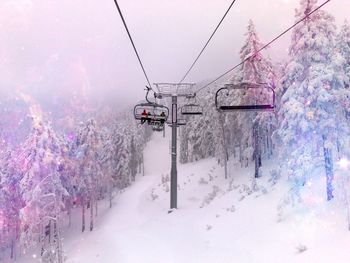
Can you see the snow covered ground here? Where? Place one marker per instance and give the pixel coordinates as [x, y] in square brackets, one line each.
[217, 220]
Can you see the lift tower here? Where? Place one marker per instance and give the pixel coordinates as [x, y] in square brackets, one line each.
[174, 91]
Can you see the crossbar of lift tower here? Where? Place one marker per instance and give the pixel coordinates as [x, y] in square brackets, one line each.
[174, 89]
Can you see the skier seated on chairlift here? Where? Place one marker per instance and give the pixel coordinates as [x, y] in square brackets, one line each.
[162, 115]
[144, 116]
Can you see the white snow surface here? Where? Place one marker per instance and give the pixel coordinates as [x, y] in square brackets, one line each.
[217, 220]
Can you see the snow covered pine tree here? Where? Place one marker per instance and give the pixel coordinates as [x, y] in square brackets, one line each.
[42, 192]
[312, 103]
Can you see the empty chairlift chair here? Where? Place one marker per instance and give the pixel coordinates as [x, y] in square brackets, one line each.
[258, 97]
[191, 109]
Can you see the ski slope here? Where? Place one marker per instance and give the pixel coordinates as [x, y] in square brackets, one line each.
[217, 220]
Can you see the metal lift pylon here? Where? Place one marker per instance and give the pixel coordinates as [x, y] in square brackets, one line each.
[173, 91]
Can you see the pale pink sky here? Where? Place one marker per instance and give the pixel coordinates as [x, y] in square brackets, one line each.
[51, 35]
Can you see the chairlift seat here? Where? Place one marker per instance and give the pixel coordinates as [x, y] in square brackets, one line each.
[266, 106]
[247, 107]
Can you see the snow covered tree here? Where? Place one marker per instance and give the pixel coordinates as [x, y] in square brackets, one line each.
[123, 173]
[343, 47]
[42, 191]
[141, 137]
[11, 201]
[108, 160]
[88, 145]
[342, 60]
[184, 144]
[258, 69]
[205, 136]
[254, 127]
[221, 150]
[311, 105]
[68, 175]
[199, 133]
[133, 162]
[129, 140]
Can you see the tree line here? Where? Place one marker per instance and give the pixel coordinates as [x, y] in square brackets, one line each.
[51, 174]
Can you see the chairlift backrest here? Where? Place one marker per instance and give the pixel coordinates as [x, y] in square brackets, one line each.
[267, 105]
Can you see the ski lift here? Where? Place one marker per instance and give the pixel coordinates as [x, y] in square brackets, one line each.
[264, 91]
[158, 127]
[192, 108]
[151, 112]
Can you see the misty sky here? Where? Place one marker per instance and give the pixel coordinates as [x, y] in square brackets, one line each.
[79, 47]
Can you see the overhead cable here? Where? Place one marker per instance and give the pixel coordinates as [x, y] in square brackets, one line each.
[264, 47]
[207, 43]
[133, 44]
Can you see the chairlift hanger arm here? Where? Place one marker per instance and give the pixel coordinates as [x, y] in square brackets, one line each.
[217, 95]
[148, 90]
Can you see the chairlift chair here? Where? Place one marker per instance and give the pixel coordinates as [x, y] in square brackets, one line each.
[191, 109]
[269, 105]
[158, 127]
[151, 113]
